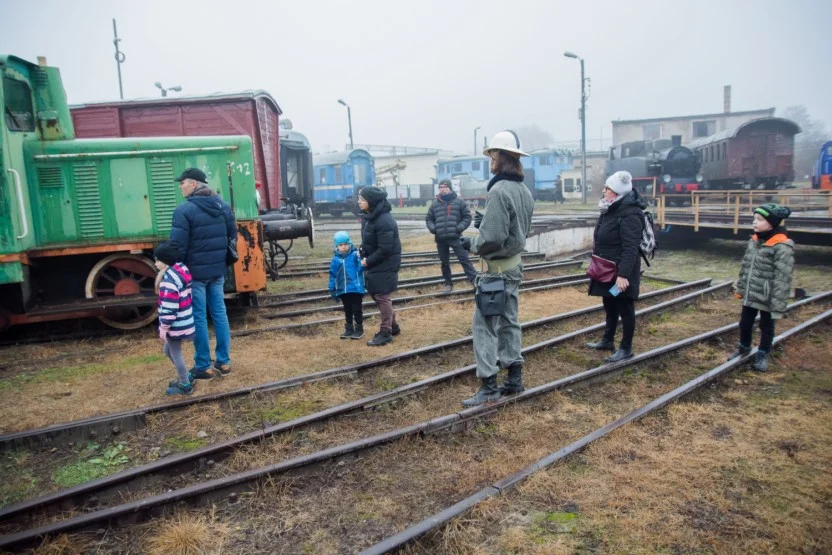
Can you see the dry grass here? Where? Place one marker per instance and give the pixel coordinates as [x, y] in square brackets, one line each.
[64, 545]
[187, 534]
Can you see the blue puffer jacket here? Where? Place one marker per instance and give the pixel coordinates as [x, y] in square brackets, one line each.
[203, 232]
[346, 275]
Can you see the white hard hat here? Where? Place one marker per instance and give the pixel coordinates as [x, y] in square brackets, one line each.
[507, 141]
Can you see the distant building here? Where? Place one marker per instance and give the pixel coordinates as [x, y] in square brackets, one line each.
[685, 127]
[416, 179]
[596, 161]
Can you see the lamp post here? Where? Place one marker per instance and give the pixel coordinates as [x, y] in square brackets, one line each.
[158, 85]
[349, 118]
[475, 139]
[583, 125]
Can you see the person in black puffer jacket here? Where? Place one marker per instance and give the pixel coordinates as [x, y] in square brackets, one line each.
[203, 225]
[617, 238]
[381, 256]
[447, 218]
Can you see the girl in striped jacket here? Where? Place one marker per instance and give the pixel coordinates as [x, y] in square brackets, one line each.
[176, 320]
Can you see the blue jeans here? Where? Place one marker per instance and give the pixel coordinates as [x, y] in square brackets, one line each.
[208, 295]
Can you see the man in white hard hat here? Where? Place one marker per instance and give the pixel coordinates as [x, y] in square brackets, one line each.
[502, 237]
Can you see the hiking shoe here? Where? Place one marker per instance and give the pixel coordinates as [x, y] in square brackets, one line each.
[761, 362]
[741, 351]
[195, 374]
[222, 369]
[619, 355]
[348, 331]
[603, 345]
[381, 338]
[176, 388]
[358, 333]
[447, 289]
[395, 330]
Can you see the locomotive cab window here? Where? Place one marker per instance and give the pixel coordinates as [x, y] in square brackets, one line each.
[18, 109]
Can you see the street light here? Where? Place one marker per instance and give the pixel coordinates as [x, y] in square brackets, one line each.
[475, 139]
[349, 118]
[583, 125]
[177, 88]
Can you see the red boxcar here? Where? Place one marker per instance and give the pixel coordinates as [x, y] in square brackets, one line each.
[252, 113]
[758, 153]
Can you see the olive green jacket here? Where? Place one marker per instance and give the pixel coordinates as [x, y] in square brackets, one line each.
[766, 274]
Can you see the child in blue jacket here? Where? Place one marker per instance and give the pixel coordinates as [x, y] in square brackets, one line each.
[346, 280]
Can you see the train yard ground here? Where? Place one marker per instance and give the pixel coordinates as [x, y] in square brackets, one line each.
[739, 467]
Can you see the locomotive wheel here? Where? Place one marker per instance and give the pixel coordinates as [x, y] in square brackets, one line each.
[123, 274]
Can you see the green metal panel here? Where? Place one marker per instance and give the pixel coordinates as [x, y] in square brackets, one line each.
[166, 194]
[55, 216]
[11, 272]
[131, 202]
[88, 199]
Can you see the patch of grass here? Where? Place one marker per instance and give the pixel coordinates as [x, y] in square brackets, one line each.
[547, 524]
[486, 428]
[94, 464]
[385, 383]
[287, 412]
[17, 484]
[187, 534]
[73, 373]
[181, 443]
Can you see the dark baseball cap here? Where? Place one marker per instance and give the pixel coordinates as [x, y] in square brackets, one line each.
[445, 182]
[192, 173]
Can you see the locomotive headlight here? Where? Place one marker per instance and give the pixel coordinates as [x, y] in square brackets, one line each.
[666, 178]
[699, 178]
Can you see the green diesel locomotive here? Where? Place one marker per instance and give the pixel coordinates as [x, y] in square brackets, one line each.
[79, 218]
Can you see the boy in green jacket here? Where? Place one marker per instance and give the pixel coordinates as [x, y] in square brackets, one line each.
[765, 280]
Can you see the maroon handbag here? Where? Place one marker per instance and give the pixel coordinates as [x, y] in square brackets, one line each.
[601, 269]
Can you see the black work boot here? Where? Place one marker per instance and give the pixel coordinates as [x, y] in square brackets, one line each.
[514, 381]
[761, 362]
[359, 332]
[603, 345]
[348, 331]
[488, 393]
[620, 354]
[395, 330]
[741, 351]
[381, 338]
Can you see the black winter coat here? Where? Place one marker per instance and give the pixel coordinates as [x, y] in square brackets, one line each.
[448, 219]
[617, 237]
[381, 246]
[202, 225]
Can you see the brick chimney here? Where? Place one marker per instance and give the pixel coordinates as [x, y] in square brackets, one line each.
[726, 99]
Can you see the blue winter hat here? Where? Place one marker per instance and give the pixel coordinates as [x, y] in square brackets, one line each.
[342, 237]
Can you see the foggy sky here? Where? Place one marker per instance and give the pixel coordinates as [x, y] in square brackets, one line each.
[426, 73]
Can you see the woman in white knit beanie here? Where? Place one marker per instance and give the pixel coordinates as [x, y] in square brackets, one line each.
[617, 238]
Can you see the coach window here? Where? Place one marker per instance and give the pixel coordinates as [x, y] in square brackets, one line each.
[458, 167]
[322, 175]
[18, 110]
[338, 178]
[711, 154]
[475, 166]
[724, 151]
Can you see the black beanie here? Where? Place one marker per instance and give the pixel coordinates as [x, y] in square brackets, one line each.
[169, 252]
[373, 195]
[773, 213]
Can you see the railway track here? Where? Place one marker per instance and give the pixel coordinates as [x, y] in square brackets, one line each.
[120, 422]
[507, 483]
[229, 486]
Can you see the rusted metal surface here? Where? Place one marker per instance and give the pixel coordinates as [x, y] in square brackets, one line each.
[433, 522]
[218, 488]
[250, 269]
[91, 249]
[184, 461]
[131, 419]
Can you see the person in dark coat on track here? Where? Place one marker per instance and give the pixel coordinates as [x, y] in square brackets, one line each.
[447, 218]
[203, 225]
[617, 238]
[381, 256]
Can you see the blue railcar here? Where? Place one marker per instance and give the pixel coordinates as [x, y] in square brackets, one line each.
[822, 178]
[338, 178]
[542, 169]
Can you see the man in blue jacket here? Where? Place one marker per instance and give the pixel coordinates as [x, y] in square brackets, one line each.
[203, 225]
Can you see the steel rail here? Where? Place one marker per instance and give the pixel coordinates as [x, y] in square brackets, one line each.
[436, 294]
[422, 259]
[185, 461]
[123, 421]
[444, 516]
[403, 300]
[220, 487]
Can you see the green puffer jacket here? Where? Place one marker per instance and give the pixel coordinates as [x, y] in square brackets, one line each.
[766, 274]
